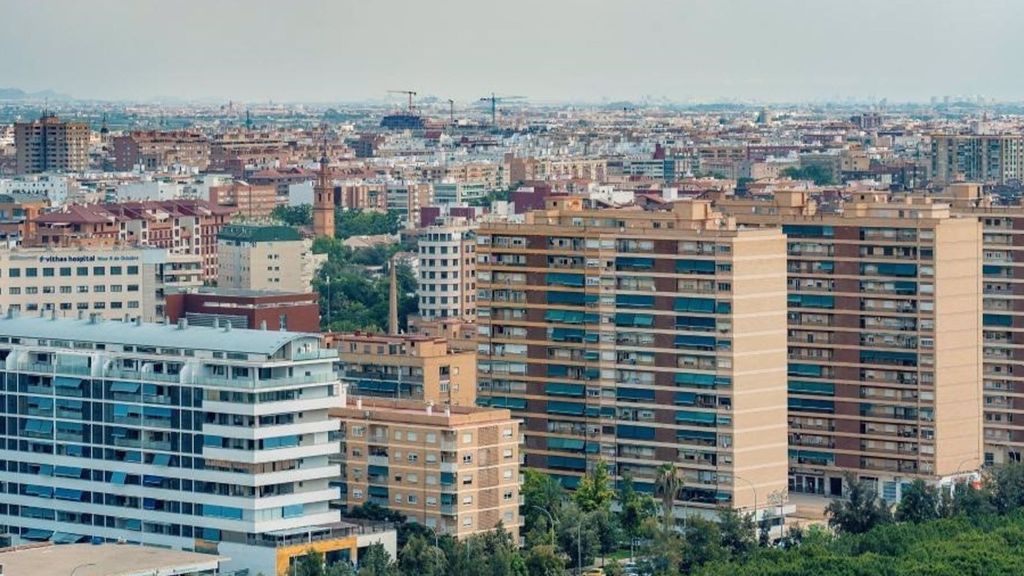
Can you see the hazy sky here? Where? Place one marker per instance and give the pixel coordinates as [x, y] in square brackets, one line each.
[684, 50]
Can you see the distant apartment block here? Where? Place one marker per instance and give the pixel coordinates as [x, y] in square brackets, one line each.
[454, 470]
[641, 339]
[252, 202]
[983, 158]
[266, 258]
[181, 226]
[408, 367]
[154, 151]
[51, 145]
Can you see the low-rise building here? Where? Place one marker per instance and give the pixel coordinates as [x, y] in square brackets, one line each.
[110, 282]
[454, 470]
[266, 258]
[246, 308]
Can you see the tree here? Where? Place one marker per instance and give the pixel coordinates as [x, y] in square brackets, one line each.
[340, 569]
[348, 223]
[310, 564]
[859, 511]
[540, 493]
[1007, 487]
[613, 568]
[635, 509]
[301, 215]
[577, 538]
[544, 560]
[594, 491]
[606, 526]
[966, 500]
[376, 561]
[738, 533]
[702, 540]
[920, 503]
[814, 172]
[420, 557]
[668, 483]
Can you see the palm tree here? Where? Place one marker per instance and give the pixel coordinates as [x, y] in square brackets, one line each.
[669, 483]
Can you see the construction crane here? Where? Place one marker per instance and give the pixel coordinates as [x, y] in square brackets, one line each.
[494, 104]
[409, 93]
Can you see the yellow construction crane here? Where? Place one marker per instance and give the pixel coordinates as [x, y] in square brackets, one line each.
[409, 93]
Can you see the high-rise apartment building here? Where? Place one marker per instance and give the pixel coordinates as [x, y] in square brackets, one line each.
[446, 286]
[409, 367]
[1002, 319]
[977, 158]
[266, 258]
[51, 145]
[208, 439]
[454, 469]
[884, 313]
[640, 338]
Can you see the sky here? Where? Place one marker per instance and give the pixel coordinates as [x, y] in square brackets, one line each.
[548, 50]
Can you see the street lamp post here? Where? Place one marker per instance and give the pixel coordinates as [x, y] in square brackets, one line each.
[579, 537]
[753, 489]
[328, 303]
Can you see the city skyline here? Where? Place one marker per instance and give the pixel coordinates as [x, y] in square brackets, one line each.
[583, 52]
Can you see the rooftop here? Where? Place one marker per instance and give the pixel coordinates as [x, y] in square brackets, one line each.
[149, 334]
[104, 560]
[259, 233]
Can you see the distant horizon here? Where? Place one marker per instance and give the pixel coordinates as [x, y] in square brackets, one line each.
[569, 51]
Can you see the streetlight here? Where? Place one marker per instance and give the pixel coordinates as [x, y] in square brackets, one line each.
[328, 303]
[579, 537]
[76, 568]
[753, 488]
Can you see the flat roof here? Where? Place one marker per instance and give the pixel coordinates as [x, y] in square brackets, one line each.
[242, 340]
[105, 560]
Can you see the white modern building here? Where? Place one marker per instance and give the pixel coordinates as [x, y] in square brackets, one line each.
[194, 438]
[110, 282]
[446, 286]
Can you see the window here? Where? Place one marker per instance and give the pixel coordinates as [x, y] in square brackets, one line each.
[467, 438]
[413, 457]
[431, 438]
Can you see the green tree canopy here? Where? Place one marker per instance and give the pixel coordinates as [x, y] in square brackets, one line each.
[859, 511]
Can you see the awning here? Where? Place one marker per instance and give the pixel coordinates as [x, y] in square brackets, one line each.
[129, 387]
[67, 538]
[37, 535]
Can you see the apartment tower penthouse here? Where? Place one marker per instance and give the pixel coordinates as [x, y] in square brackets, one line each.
[640, 338]
[884, 339]
[196, 438]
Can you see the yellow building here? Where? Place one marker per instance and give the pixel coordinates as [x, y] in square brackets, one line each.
[454, 470]
[409, 367]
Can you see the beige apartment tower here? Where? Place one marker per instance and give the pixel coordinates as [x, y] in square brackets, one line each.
[885, 365]
[266, 258]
